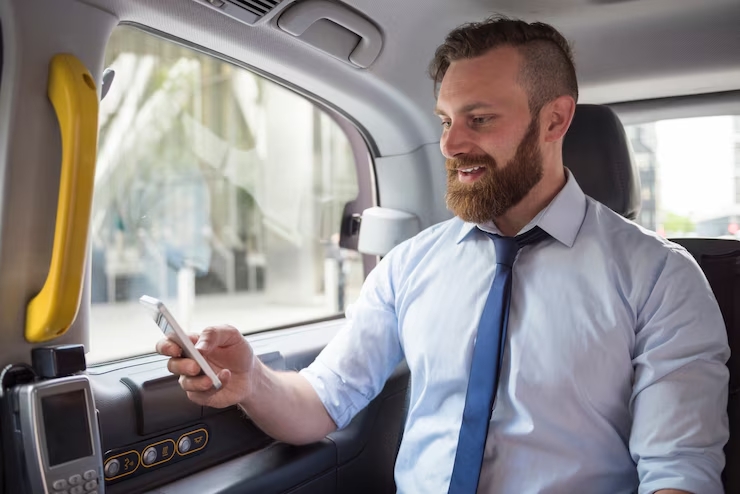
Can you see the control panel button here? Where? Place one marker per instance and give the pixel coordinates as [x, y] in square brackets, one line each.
[75, 479]
[60, 484]
[199, 439]
[121, 464]
[184, 445]
[91, 485]
[90, 474]
[61, 492]
[158, 453]
[78, 489]
[150, 455]
[112, 468]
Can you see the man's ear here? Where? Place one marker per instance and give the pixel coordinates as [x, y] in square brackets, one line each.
[556, 117]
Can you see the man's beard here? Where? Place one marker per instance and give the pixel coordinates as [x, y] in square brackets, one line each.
[499, 189]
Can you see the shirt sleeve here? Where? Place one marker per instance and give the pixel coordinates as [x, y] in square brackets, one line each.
[355, 365]
[679, 397]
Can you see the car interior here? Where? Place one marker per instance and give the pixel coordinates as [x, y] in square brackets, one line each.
[249, 162]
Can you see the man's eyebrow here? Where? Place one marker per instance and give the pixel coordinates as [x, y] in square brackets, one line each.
[467, 108]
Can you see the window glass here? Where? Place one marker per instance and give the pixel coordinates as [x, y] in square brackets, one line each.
[690, 175]
[217, 191]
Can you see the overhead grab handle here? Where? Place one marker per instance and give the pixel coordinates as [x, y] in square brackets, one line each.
[72, 92]
[299, 17]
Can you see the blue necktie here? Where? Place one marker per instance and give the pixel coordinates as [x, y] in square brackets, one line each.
[486, 364]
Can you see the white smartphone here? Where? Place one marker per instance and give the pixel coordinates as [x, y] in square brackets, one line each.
[174, 331]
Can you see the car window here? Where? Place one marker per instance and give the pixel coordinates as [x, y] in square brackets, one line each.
[217, 191]
[690, 175]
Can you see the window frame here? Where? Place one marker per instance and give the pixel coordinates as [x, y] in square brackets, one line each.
[364, 151]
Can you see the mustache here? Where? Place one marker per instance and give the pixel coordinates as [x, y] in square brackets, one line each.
[468, 161]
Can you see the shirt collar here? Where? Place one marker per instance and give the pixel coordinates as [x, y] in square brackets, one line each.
[562, 218]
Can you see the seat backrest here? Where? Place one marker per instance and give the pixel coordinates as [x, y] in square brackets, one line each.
[720, 261]
[598, 154]
[596, 150]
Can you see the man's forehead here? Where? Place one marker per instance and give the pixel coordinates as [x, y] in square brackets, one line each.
[468, 107]
[491, 79]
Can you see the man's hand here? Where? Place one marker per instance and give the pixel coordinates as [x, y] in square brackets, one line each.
[283, 404]
[231, 358]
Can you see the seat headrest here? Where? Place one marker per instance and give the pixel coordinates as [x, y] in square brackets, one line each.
[597, 152]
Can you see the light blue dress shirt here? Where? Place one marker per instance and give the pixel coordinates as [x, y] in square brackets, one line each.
[613, 379]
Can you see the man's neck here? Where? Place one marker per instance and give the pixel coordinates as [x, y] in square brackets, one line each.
[536, 200]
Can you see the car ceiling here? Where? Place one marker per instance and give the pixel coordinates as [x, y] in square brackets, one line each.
[625, 51]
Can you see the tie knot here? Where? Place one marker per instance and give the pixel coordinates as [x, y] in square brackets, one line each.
[507, 247]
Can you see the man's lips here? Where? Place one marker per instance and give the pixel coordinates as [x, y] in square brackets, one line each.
[469, 174]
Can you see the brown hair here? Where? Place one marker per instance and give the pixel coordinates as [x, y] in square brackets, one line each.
[548, 70]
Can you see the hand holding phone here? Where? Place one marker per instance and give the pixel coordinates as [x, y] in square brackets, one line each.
[173, 331]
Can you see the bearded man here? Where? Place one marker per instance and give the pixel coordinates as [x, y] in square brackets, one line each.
[553, 346]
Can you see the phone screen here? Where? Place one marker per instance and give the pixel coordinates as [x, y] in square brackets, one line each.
[164, 324]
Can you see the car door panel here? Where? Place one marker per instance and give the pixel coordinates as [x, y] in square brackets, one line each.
[141, 404]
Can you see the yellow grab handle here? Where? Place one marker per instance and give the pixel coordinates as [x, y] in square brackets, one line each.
[72, 92]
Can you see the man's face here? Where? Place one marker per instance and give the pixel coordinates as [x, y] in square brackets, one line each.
[489, 137]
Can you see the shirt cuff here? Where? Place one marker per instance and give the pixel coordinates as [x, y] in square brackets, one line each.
[340, 403]
[696, 476]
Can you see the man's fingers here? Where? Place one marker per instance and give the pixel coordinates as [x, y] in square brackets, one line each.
[183, 367]
[196, 384]
[200, 390]
[168, 347]
[218, 336]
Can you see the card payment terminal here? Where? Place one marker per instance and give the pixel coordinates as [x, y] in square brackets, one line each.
[51, 425]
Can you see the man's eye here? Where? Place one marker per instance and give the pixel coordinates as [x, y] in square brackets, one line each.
[446, 125]
[480, 120]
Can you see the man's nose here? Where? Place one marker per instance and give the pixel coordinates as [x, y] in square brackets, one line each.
[456, 140]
